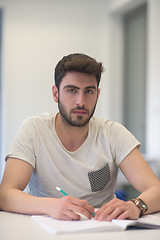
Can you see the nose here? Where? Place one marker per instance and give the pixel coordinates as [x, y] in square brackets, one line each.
[80, 101]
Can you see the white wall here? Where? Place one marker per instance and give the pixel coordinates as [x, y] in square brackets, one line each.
[37, 33]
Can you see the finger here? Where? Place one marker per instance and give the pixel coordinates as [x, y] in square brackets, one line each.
[73, 216]
[81, 206]
[116, 213]
[102, 215]
[122, 211]
[69, 216]
[100, 211]
[81, 211]
[123, 216]
[66, 215]
[106, 210]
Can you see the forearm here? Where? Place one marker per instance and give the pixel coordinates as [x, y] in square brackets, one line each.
[151, 197]
[13, 200]
[65, 208]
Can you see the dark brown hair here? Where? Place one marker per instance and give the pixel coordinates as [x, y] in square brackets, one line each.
[77, 62]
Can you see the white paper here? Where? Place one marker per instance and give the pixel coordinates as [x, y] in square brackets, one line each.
[91, 225]
[59, 226]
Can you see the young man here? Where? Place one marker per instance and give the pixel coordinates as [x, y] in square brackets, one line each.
[77, 152]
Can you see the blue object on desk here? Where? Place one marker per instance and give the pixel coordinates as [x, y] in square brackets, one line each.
[121, 195]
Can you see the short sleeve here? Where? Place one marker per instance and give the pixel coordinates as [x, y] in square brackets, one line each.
[122, 142]
[24, 144]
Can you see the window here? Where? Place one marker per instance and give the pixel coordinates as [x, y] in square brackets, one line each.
[135, 73]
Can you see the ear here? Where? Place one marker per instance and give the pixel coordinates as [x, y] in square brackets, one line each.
[55, 93]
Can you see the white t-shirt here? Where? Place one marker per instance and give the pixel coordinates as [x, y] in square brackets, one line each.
[88, 173]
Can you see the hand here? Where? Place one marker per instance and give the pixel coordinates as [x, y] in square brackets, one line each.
[117, 209]
[68, 207]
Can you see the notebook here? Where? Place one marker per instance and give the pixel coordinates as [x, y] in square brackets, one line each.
[91, 225]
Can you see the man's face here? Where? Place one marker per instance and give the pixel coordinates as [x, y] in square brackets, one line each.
[77, 98]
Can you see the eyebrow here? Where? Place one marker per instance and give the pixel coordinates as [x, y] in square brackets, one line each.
[73, 86]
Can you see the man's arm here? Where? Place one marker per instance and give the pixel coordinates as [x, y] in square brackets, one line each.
[141, 176]
[12, 198]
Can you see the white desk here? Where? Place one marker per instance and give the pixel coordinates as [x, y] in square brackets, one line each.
[22, 227]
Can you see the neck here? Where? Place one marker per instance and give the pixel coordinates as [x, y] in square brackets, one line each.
[71, 137]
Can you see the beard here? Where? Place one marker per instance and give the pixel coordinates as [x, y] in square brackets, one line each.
[79, 122]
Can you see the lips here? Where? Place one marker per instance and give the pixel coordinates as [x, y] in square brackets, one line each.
[78, 111]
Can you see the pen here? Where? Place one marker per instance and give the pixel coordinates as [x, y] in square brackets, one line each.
[60, 190]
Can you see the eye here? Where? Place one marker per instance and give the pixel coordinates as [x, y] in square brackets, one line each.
[71, 90]
[89, 91]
